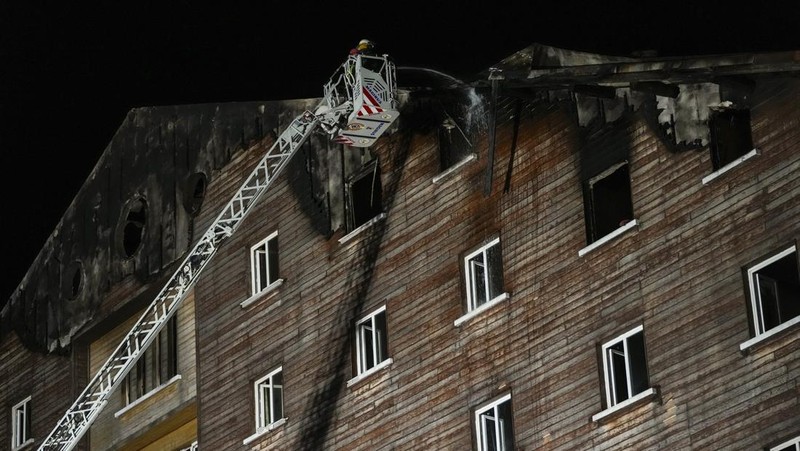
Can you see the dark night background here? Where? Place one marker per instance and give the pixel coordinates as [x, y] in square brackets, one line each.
[70, 71]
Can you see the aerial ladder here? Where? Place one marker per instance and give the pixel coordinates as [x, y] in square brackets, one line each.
[359, 105]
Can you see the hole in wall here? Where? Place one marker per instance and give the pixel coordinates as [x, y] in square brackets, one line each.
[131, 233]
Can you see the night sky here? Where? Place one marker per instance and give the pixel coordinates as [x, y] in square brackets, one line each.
[69, 72]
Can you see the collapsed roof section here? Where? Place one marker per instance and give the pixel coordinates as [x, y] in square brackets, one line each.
[676, 93]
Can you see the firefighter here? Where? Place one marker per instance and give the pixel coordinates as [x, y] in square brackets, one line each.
[364, 47]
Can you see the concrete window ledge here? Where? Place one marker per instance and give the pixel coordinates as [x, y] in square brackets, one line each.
[148, 395]
[751, 343]
[629, 403]
[27, 443]
[369, 372]
[454, 168]
[468, 316]
[263, 431]
[619, 231]
[361, 228]
[263, 293]
[707, 179]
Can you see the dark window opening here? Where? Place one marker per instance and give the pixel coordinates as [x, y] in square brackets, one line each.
[155, 366]
[453, 145]
[364, 196]
[609, 203]
[133, 229]
[730, 136]
[197, 192]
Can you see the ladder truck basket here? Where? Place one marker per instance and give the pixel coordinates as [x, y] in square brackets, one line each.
[371, 80]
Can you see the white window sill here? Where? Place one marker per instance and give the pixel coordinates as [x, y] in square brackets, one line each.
[769, 334]
[369, 372]
[361, 228]
[454, 168]
[469, 315]
[23, 445]
[619, 231]
[730, 165]
[147, 396]
[270, 288]
[650, 392]
[262, 431]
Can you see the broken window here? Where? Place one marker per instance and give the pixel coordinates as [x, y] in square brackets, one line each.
[730, 136]
[269, 400]
[371, 341]
[73, 280]
[624, 367]
[196, 193]
[493, 426]
[364, 196]
[264, 263]
[609, 205]
[774, 289]
[156, 366]
[21, 424]
[483, 271]
[791, 445]
[133, 227]
[453, 144]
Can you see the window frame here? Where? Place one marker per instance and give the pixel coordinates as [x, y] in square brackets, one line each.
[731, 114]
[755, 308]
[148, 366]
[791, 442]
[609, 383]
[263, 247]
[480, 432]
[470, 282]
[370, 169]
[593, 235]
[23, 407]
[379, 344]
[269, 422]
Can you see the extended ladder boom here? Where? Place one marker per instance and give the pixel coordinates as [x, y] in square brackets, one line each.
[335, 113]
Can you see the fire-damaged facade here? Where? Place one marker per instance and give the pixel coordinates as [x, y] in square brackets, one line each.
[571, 251]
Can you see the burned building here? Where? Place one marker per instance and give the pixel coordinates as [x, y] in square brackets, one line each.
[571, 251]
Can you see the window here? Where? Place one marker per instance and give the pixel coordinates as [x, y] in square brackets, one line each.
[625, 367]
[483, 270]
[774, 288]
[730, 136]
[264, 263]
[493, 426]
[21, 424]
[371, 337]
[156, 366]
[269, 400]
[791, 445]
[608, 203]
[364, 196]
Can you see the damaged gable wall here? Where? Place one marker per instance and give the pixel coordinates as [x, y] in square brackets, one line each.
[159, 161]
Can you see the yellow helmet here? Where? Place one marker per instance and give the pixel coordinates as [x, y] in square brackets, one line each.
[364, 44]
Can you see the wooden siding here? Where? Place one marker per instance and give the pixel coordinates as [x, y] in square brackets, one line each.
[678, 274]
